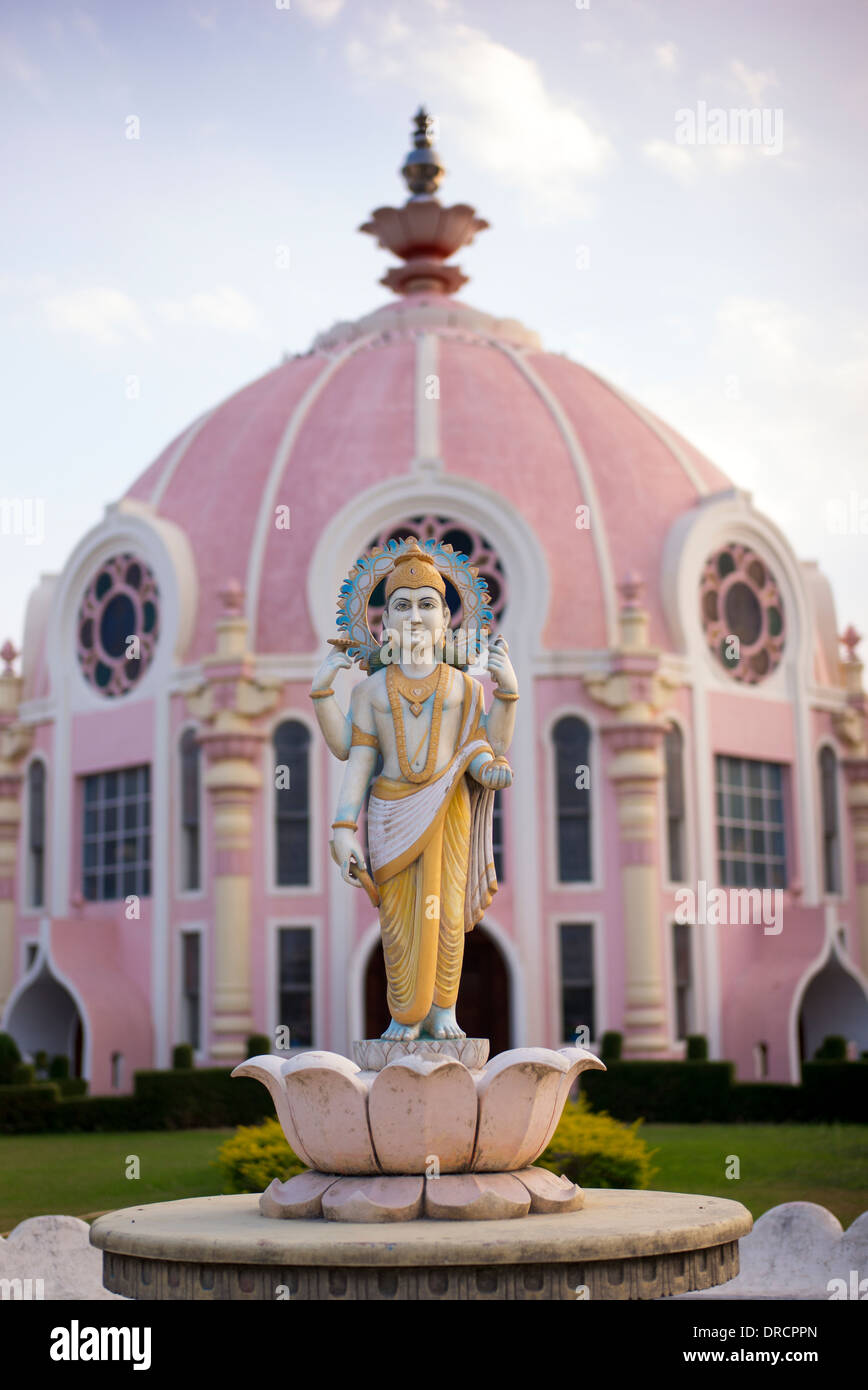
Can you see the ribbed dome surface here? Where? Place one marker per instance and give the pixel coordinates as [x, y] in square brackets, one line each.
[540, 431]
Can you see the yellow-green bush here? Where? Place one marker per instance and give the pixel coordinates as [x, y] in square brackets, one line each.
[254, 1155]
[594, 1150]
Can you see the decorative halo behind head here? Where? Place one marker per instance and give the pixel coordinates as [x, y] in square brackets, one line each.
[435, 563]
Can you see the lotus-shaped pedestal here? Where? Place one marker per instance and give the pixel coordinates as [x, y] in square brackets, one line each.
[401, 1136]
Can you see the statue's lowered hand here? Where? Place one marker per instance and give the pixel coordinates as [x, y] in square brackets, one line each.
[495, 774]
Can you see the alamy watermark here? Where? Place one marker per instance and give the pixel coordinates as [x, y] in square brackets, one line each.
[715, 125]
[23, 516]
[736, 906]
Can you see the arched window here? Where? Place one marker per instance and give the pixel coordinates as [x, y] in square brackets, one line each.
[292, 803]
[36, 834]
[572, 781]
[674, 756]
[190, 834]
[829, 805]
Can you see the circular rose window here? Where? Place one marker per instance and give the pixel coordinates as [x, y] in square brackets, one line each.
[118, 625]
[742, 613]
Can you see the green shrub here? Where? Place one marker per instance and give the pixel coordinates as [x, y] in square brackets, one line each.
[610, 1047]
[833, 1049]
[71, 1087]
[59, 1069]
[182, 1057]
[10, 1058]
[255, 1155]
[258, 1045]
[697, 1047]
[24, 1074]
[594, 1150]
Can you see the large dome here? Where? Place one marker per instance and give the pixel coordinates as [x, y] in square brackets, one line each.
[429, 385]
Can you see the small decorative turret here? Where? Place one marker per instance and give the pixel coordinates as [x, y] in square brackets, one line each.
[423, 232]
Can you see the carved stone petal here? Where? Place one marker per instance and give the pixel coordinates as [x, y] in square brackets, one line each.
[422, 1107]
[328, 1104]
[550, 1191]
[374, 1199]
[475, 1197]
[300, 1196]
[577, 1060]
[518, 1092]
[269, 1070]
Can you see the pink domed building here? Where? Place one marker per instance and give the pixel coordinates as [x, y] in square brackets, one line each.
[689, 747]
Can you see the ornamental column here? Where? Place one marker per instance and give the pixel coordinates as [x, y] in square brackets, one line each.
[637, 689]
[15, 741]
[229, 705]
[851, 726]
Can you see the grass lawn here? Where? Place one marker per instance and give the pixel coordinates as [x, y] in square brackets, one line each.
[826, 1164]
[80, 1174]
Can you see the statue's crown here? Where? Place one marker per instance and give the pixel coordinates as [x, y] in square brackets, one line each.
[414, 570]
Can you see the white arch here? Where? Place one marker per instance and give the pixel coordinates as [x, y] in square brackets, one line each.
[43, 962]
[830, 947]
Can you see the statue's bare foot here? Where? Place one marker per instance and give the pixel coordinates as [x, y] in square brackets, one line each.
[442, 1023]
[402, 1032]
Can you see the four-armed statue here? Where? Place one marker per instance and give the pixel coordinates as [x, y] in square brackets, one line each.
[420, 1123]
[430, 809]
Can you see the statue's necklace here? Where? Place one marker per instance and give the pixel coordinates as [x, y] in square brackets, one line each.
[416, 692]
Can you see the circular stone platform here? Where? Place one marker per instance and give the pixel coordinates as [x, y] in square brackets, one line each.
[622, 1245]
[373, 1054]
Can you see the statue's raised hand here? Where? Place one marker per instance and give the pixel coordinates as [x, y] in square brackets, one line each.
[335, 660]
[500, 667]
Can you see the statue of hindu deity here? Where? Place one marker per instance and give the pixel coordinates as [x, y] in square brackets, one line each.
[429, 817]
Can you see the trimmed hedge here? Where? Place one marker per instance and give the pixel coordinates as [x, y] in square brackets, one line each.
[661, 1092]
[688, 1092]
[766, 1102]
[205, 1099]
[26, 1109]
[836, 1091]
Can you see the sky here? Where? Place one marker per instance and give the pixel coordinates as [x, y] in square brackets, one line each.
[182, 184]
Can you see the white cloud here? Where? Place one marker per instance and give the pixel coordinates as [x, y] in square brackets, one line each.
[753, 84]
[666, 56]
[103, 315]
[16, 65]
[223, 308]
[500, 110]
[673, 159]
[319, 11]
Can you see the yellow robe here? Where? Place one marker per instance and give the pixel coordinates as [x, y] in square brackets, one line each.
[430, 847]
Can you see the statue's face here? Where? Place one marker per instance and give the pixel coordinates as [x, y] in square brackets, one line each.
[422, 609]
